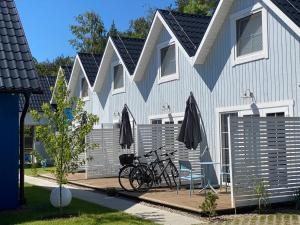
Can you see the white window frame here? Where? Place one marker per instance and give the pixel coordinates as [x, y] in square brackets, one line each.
[171, 77]
[264, 53]
[118, 90]
[175, 117]
[86, 98]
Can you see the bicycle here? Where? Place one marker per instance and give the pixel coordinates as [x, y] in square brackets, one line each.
[138, 175]
[129, 162]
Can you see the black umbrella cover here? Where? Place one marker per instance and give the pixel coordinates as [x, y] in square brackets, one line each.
[190, 132]
[125, 130]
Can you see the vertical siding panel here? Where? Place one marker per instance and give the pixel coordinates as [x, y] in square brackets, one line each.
[216, 83]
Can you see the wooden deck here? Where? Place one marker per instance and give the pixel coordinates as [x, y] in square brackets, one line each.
[163, 196]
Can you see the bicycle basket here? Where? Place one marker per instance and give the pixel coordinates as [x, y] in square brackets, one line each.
[126, 159]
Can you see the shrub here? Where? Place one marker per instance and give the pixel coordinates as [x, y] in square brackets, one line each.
[210, 204]
[261, 193]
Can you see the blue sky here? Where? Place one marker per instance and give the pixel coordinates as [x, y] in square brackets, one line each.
[47, 22]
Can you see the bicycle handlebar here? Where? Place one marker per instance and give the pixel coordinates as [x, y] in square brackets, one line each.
[155, 150]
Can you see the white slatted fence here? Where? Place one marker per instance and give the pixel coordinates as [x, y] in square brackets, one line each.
[153, 136]
[264, 150]
[105, 157]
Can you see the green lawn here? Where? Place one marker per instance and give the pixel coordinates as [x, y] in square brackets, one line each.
[38, 211]
[30, 172]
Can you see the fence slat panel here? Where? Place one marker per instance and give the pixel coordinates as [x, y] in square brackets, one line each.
[264, 150]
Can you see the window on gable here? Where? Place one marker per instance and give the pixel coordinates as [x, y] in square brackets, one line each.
[249, 34]
[168, 60]
[118, 77]
[84, 88]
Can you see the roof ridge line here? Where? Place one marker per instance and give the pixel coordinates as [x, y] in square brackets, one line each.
[95, 60]
[298, 10]
[170, 12]
[126, 49]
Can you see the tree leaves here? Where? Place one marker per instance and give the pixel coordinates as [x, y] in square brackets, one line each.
[64, 139]
[89, 33]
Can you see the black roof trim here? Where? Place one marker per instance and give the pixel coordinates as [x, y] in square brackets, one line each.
[90, 63]
[189, 29]
[291, 8]
[129, 49]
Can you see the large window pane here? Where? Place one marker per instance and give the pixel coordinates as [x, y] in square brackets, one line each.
[118, 77]
[168, 60]
[249, 34]
[84, 88]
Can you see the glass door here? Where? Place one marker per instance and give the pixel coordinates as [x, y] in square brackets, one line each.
[225, 160]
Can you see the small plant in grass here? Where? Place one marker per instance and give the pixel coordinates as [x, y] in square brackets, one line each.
[297, 198]
[111, 191]
[209, 205]
[63, 136]
[260, 190]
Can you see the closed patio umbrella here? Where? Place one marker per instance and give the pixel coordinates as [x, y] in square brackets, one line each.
[190, 132]
[126, 138]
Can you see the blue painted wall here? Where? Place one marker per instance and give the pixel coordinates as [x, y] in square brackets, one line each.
[9, 150]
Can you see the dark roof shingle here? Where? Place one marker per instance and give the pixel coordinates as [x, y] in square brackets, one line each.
[90, 63]
[291, 8]
[188, 28]
[37, 100]
[17, 71]
[130, 50]
[67, 72]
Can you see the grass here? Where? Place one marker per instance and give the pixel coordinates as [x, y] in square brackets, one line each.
[30, 171]
[38, 211]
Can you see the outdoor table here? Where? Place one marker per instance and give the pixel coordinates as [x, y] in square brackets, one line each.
[208, 185]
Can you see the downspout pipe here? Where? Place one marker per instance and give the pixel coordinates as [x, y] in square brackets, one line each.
[22, 120]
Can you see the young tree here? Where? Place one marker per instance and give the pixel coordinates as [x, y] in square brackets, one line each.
[64, 134]
[90, 34]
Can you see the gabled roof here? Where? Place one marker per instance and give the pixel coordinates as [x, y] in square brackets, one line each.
[37, 100]
[17, 71]
[67, 70]
[129, 50]
[291, 8]
[90, 63]
[188, 28]
[287, 10]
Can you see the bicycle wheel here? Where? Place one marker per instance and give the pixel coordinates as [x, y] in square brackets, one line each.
[124, 177]
[175, 174]
[141, 178]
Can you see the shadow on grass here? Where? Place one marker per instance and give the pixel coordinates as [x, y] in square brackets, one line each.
[39, 210]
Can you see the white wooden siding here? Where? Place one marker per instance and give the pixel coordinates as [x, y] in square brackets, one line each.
[216, 83]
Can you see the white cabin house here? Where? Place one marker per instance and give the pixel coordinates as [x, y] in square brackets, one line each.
[243, 61]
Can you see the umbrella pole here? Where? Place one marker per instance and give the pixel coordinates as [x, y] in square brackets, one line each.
[203, 127]
[134, 122]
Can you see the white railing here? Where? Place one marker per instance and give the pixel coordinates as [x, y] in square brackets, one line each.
[264, 150]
